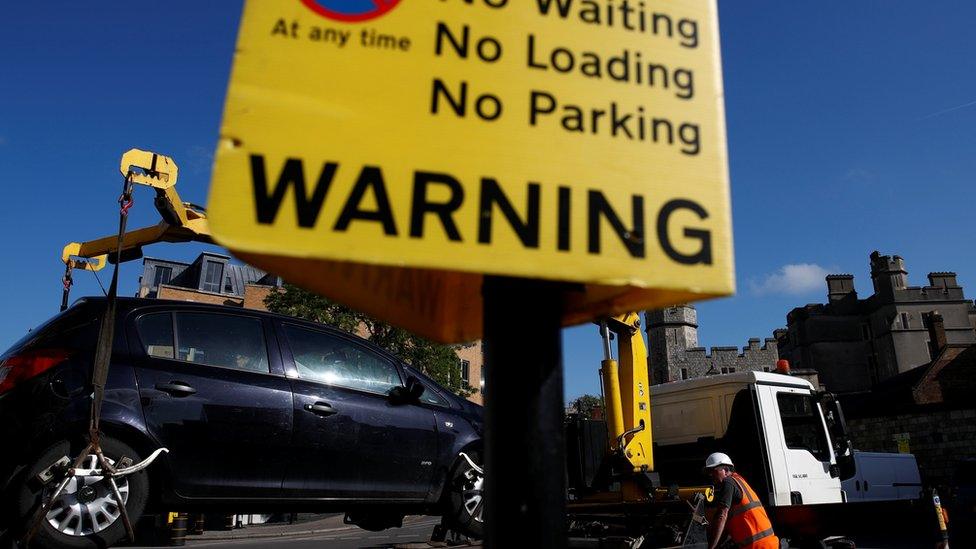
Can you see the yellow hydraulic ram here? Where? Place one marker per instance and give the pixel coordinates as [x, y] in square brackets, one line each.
[627, 392]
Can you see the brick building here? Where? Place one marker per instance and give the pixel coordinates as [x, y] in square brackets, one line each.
[674, 354]
[210, 278]
[213, 278]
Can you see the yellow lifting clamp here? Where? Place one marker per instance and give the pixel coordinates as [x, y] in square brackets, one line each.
[181, 221]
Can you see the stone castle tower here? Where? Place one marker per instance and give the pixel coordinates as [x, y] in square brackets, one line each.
[674, 354]
[670, 332]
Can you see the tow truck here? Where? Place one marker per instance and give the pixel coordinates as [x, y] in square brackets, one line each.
[641, 487]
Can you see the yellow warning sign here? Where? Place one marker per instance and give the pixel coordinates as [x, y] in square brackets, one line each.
[390, 153]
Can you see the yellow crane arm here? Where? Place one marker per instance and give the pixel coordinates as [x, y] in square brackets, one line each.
[181, 221]
[627, 391]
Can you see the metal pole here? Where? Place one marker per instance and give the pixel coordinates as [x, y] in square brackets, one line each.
[524, 444]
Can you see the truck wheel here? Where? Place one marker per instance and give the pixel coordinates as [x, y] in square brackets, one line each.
[466, 506]
[87, 514]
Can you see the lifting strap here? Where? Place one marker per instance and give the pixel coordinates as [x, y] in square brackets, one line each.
[106, 331]
[100, 367]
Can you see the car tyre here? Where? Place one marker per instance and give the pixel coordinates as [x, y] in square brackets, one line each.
[466, 510]
[87, 508]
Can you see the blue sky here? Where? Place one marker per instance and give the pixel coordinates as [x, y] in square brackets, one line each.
[852, 127]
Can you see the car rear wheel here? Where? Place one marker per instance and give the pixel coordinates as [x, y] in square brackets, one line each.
[466, 505]
[87, 514]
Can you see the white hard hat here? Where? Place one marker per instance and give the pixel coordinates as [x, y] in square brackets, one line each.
[718, 458]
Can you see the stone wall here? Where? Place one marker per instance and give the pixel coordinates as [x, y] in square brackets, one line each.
[938, 437]
[698, 362]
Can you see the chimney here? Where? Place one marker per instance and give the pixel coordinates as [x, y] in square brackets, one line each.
[840, 286]
[937, 335]
[943, 280]
[888, 273]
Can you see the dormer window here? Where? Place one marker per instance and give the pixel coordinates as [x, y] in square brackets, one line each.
[213, 275]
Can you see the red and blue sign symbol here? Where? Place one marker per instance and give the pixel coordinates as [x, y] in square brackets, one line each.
[351, 10]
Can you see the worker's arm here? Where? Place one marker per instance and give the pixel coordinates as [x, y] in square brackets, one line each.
[717, 527]
[724, 496]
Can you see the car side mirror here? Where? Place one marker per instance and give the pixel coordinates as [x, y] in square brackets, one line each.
[415, 388]
[409, 393]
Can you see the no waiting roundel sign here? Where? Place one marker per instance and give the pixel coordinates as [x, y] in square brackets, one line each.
[351, 10]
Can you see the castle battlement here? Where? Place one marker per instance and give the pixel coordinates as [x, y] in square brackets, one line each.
[674, 352]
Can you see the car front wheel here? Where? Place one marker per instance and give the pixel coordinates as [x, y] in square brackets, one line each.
[466, 505]
[88, 513]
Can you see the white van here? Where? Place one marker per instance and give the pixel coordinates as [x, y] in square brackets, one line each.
[883, 476]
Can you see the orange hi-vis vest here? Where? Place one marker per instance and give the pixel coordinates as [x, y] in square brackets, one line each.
[748, 523]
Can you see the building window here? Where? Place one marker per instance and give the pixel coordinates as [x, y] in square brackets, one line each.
[684, 373]
[731, 370]
[725, 370]
[162, 276]
[465, 372]
[926, 320]
[212, 277]
[904, 321]
[765, 368]
[228, 285]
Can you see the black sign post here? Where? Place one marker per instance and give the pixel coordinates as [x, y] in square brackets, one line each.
[524, 444]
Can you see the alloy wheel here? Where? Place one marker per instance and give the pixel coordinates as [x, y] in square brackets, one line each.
[87, 505]
[472, 494]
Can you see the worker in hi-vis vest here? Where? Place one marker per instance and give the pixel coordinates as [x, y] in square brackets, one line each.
[740, 514]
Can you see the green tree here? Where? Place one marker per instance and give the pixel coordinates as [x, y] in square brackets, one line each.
[585, 404]
[440, 362]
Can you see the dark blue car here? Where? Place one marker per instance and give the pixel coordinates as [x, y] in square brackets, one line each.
[260, 413]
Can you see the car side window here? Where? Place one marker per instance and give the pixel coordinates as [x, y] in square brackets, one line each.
[430, 395]
[156, 332]
[320, 356]
[205, 338]
[217, 339]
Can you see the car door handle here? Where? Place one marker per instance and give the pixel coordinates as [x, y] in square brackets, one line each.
[321, 409]
[176, 388]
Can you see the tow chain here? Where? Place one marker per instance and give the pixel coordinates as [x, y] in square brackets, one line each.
[100, 367]
[67, 281]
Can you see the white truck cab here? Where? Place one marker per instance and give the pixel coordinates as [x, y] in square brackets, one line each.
[771, 425]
